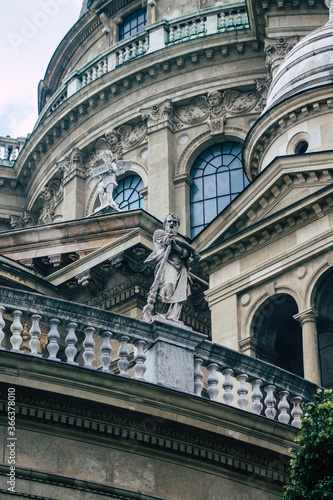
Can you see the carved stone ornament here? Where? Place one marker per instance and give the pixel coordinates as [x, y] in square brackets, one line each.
[276, 49]
[159, 114]
[75, 163]
[213, 108]
[26, 220]
[51, 196]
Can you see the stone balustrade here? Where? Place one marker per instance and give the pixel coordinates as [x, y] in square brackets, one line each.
[233, 20]
[159, 353]
[94, 71]
[154, 37]
[180, 32]
[10, 147]
[132, 50]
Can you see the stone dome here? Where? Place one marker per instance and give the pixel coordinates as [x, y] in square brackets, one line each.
[309, 64]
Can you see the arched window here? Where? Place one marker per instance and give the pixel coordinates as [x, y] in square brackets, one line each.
[127, 195]
[278, 335]
[218, 177]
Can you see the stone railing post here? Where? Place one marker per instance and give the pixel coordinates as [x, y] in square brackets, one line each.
[311, 363]
[170, 358]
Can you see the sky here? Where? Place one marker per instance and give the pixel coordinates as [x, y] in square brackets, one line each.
[30, 32]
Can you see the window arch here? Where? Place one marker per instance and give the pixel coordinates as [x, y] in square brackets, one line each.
[127, 195]
[218, 177]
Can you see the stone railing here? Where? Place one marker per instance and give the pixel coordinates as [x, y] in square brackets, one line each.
[154, 37]
[132, 50]
[10, 147]
[159, 353]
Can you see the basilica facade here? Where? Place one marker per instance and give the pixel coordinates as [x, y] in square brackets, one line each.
[218, 112]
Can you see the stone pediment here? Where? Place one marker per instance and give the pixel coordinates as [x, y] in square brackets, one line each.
[285, 182]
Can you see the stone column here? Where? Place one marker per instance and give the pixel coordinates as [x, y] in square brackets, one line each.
[182, 185]
[161, 158]
[308, 321]
[74, 185]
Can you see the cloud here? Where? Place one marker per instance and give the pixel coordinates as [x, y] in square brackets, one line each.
[30, 33]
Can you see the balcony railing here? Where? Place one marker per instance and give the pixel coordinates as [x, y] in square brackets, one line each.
[69, 333]
[10, 148]
[153, 38]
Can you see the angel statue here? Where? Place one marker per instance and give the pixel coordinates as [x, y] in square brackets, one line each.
[172, 257]
[107, 174]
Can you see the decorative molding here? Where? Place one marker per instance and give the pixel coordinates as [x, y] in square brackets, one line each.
[163, 435]
[51, 196]
[28, 219]
[74, 164]
[276, 49]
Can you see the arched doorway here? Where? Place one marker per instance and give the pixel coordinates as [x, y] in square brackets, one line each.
[278, 335]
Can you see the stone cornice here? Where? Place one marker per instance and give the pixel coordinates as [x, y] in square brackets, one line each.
[266, 270]
[89, 402]
[75, 231]
[279, 118]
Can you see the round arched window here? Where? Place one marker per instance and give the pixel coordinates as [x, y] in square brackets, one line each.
[218, 177]
[127, 195]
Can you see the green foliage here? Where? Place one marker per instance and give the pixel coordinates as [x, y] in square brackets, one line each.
[312, 466]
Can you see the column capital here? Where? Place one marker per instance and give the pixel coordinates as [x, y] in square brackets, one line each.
[310, 315]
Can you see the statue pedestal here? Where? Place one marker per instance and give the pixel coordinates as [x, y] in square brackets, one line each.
[105, 211]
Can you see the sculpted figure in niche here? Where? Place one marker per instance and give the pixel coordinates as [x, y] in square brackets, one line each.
[173, 257]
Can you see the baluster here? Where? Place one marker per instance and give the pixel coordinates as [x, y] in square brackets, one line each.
[84, 80]
[222, 22]
[123, 354]
[127, 54]
[296, 412]
[134, 51]
[256, 396]
[71, 340]
[194, 28]
[121, 57]
[105, 66]
[231, 22]
[202, 27]
[53, 339]
[106, 350]
[2, 324]
[270, 401]
[94, 73]
[171, 34]
[212, 380]
[35, 332]
[146, 44]
[239, 18]
[187, 30]
[88, 76]
[242, 391]
[228, 386]
[246, 20]
[100, 69]
[178, 32]
[88, 345]
[283, 407]
[16, 329]
[140, 48]
[140, 359]
[198, 376]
